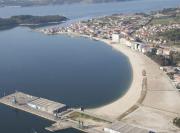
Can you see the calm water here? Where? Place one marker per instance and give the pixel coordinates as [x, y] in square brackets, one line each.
[82, 11]
[75, 71]
[13, 121]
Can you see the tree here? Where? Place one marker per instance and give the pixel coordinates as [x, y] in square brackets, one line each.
[176, 122]
[174, 58]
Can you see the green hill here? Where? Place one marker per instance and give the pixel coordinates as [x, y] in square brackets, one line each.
[30, 21]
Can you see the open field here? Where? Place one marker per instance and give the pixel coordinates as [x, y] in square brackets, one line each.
[166, 20]
[77, 116]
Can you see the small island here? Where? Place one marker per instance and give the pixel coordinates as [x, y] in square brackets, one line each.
[30, 21]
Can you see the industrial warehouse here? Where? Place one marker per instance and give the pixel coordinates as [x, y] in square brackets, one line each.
[65, 117]
[47, 106]
[38, 103]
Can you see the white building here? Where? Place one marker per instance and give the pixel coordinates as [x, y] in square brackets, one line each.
[126, 42]
[115, 38]
[159, 51]
[47, 106]
[166, 51]
[146, 49]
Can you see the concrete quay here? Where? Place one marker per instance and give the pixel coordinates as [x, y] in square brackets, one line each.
[63, 119]
[46, 109]
[21, 104]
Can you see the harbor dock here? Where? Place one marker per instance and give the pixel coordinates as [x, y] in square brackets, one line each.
[23, 102]
[56, 112]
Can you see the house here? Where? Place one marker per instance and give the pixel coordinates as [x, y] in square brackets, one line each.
[115, 38]
[168, 69]
[47, 106]
[146, 49]
[177, 79]
[141, 47]
[126, 42]
[159, 51]
[166, 51]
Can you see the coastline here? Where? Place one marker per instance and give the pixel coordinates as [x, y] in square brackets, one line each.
[117, 108]
[120, 106]
[140, 108]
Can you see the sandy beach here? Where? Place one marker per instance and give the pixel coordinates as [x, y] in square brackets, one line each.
[118, 107]
[161, 103]
[115, 109]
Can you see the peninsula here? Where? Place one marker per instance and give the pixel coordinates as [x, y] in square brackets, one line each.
[30, 21]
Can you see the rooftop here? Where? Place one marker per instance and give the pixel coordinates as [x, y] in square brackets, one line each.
[49, 105]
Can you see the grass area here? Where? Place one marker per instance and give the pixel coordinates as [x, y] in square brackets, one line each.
[76, 116]
[177, 44]
[160, 21]
[176, 122]
[166, 20]
[173, 37]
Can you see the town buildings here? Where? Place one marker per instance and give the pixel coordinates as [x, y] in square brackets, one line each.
[132, 30]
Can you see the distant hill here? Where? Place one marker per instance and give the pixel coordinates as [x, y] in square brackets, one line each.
[30, 21]
[46, 2]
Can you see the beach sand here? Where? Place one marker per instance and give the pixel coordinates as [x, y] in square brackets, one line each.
[118, 107]
[161, 103]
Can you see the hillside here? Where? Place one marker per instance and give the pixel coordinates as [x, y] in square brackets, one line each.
[30, 21]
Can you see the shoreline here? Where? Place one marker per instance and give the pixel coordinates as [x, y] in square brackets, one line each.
[124, 103]
[160, 92]
[138, 106]
[115, 109]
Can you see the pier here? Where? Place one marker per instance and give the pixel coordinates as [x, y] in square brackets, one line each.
[27, 103]
[62, 116]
